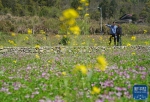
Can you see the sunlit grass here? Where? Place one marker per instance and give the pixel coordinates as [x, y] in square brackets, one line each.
[82, 40]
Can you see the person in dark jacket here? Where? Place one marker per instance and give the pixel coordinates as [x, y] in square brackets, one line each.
[119, 33]
[113, 28]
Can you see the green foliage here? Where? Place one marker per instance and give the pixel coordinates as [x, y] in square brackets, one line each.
[75, 4]
[65, 40]
[134, 29]
[95, 15]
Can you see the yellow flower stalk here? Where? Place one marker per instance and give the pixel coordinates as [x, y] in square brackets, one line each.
[102, 63]
[95, 90]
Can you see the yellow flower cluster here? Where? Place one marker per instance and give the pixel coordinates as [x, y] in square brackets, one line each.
[133, 38]
[64, 73]
[29, 31]
[95, 90]
[37, 46]
[133, 53]
[14, 61]
[69, 21]
[12, 42]
[102, 63]
[81, 68]
[26, 38]
[146, 43]
[37, 56]
[145, 31]
[42, 32]
[128, 44]
[86, 15]
[84, 2]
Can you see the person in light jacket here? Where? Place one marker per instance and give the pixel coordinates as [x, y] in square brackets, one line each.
[113, 28]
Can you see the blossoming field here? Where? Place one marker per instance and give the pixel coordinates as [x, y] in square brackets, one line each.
[72, 66]
[77, 74]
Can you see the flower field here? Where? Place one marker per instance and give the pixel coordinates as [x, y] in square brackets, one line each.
[74, 74]
[72, 66]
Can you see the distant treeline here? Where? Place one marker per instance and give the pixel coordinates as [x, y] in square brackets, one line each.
[53, 8]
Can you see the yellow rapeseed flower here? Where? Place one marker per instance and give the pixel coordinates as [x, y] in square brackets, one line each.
[64, 73]
[95, 90]
[70, 13]
[14, 61]
[71, 22]
[145, 31]
[26, 38]
[57, 36]
[83, 1]
[37, 56]
[44, 38]
[86, 15]
[133, 53]
[146, 43]
[13, 34]
[83, 43]
[128, 44]
[37, 46]
[80, 8]
[12, 42]
[102, 63]
[75, 30]
[86, 4]
[81, 68]
[29, 31]
[42, 32]
[133, 38]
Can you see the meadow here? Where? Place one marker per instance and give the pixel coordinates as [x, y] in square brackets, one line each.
[86, 70]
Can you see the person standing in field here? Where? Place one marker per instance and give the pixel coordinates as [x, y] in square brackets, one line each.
[113, 28]
[119, 33]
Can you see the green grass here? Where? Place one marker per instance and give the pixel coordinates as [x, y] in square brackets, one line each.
[82, 40]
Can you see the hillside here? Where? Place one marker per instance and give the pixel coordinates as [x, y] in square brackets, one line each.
[18, 15]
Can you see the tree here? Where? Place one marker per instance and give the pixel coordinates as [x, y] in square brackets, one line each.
[105, 8]
[113, 8]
